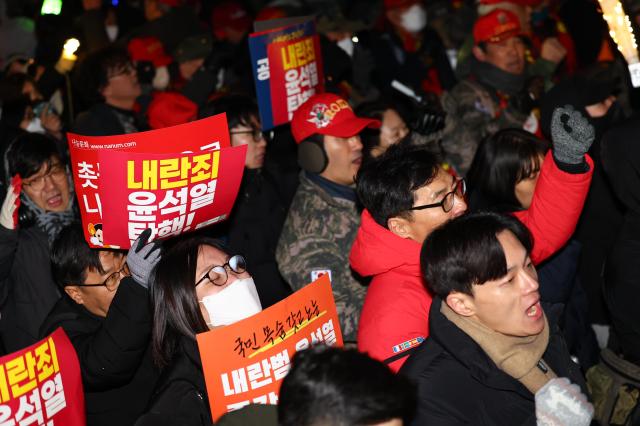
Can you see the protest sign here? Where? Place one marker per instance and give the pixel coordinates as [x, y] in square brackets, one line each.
[171, 180]
[41, 384]
[287, 70]
[245, 362]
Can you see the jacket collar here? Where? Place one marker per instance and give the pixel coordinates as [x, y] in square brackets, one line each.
[468, 353]
[308, 185]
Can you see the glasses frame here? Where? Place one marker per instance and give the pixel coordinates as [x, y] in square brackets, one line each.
[253, 134]
[52, 173]
[124, 272]
[224, 267]
[463, 191]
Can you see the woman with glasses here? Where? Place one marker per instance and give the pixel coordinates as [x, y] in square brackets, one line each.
[255, 223]
[198, 286]
[37, 206]
[503, 178]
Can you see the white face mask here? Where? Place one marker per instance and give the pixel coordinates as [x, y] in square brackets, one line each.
[161, 78]
[414, 19]
[346, 44]
[35, 126]
[112, 31]
[234, 303]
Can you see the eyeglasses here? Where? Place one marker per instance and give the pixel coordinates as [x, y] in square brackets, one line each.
[125, 69]
[112, 280]
[448, 200]
[218, 274]
[256, 134]
[57, 172]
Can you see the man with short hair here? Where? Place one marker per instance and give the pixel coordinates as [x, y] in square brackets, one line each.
[406, 195]
[322, 220]
[107, 316]
[491, 341]
[496, 94]
[342, 387]
[109, 79]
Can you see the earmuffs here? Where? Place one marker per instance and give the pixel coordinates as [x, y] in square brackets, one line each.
[311, 154]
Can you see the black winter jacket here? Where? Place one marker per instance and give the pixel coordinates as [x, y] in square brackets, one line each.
[458, 384]
[180, 397]
[26, 285]
[118, 374]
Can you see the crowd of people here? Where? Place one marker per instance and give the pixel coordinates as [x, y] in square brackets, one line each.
[468, 182]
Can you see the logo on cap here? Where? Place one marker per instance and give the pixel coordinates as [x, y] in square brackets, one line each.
[318, 116]
[502, 18]
[322, 114]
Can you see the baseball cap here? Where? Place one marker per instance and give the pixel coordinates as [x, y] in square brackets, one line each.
[170, 109]
[148, 49]
[531, 3]
[496, 26]
[397, 4]
[328, 114]
[193, 47]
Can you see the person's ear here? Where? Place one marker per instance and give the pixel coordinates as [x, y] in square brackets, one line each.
[460, 303]
[479, 53]
[399, 226]
[74, 293]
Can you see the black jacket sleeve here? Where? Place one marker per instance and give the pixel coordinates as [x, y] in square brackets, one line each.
[110, 355]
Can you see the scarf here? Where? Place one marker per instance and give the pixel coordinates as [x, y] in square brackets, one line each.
[492, 76]
[519, 357]
[51, 223]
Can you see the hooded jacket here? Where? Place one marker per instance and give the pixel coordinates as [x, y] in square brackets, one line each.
[458, 384]
[396, 307]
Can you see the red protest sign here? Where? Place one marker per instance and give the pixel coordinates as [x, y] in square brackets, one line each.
[108, 169]
[42, 384]
[296, 75]
[245, 362]
[169, 193]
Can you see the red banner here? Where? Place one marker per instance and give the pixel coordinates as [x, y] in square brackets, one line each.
[171, 180]
[42, 384]
[245, 362]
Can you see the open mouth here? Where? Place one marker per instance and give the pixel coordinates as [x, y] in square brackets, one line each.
[534, 311]
[55, 201]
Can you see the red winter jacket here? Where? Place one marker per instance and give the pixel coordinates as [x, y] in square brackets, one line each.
[395, 314]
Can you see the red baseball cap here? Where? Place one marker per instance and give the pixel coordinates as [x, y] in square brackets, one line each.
[397, 4]
[230, 14]
[148, 49]
[170, 109]
[496, 26]
[531, 3]
[327, 114]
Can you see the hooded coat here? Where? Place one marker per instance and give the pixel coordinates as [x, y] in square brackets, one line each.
[396, 307]
[621, 159]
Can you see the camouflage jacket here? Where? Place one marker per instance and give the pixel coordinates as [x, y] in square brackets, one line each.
[473, 112]
[316, 239]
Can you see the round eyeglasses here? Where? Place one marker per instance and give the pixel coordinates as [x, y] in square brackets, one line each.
[449, 198]
[218, 274]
